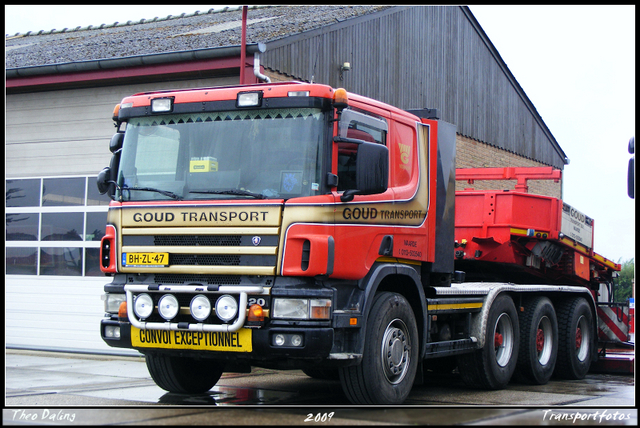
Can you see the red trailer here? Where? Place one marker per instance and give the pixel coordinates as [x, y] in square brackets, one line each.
[517, 236]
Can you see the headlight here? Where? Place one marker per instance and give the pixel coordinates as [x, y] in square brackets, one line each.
[143, 306]
[200, 307]
[302, 309]
[168, 307]
[226, 308]
[291, 308]
[112, 302]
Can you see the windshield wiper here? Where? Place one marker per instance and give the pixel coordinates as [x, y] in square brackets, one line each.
[237, 192]
[151, 189]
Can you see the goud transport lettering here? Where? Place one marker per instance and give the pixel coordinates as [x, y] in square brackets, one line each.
[372, 213]
[201, 216]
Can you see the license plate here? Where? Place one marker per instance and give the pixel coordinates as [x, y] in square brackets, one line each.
[145, 259]
[239, 341]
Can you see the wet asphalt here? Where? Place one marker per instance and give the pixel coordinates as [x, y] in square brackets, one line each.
[49, 388]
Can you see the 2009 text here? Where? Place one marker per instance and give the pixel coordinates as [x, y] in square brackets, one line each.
[319, 417]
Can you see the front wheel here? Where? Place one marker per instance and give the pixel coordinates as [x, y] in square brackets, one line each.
[390, 357]
[492, 366]
[181, 374]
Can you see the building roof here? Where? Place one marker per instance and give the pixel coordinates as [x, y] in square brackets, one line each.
[209, 42]
[199, 30]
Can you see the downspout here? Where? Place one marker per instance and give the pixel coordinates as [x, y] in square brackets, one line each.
[256, 67]
[243, 44]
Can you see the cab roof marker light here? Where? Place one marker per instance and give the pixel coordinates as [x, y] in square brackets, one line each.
[298, 93]
[161, 105]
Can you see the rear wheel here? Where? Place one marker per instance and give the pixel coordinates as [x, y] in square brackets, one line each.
[538, 342]
[492, 366]
[575, 327]
[390, 357]
[181, 374]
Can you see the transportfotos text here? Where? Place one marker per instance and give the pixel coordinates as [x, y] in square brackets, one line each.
[598, 416]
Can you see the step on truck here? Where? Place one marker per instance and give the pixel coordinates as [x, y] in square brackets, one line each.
[297, 226]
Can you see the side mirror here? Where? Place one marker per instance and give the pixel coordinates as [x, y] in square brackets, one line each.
[104, 177]
[106, 180]
[372, 171]
[116, 142]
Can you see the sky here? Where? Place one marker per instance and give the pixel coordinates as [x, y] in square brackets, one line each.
[575, 63]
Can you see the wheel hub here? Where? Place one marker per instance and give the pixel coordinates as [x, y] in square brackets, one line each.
[539, 340]
[395, 351]
[578, 338]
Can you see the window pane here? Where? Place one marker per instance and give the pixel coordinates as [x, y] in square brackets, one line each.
[22, 227]
[96, 223]
[21, 261]
[275, 153]
[61, 227]
[61, 261]
[93, 196]
[63, 191]
[23, 193]
[92, 262]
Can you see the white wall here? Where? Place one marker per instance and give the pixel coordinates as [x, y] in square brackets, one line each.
[63, 133]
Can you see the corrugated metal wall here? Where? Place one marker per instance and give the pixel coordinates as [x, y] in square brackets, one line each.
[423, 56]
[68, 131]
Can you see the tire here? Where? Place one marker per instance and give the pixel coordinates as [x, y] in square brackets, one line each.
[575, 336]
[183, 375]
[493, 366]
[322, 374]
[538, 342]
[390, 357]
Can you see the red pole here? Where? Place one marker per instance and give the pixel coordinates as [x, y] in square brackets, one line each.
[243, 47]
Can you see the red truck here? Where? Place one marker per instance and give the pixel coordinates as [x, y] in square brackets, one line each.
[297, 226]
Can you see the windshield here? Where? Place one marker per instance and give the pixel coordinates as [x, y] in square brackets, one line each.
[273, 153]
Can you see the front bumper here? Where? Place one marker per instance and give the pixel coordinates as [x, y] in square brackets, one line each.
[317, 343]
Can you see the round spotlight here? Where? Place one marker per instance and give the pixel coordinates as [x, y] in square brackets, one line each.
[143, 306]
[226, 308]
[296, 340]
[168, 307]
[200, 307]
[279, 339]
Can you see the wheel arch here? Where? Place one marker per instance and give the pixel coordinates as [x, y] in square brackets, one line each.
[401, 279]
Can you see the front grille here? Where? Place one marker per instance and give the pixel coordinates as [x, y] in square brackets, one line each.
[191, 279]
[203, 260]
[202, 240]
[220, 260]
[165, 278]
[204, 252]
